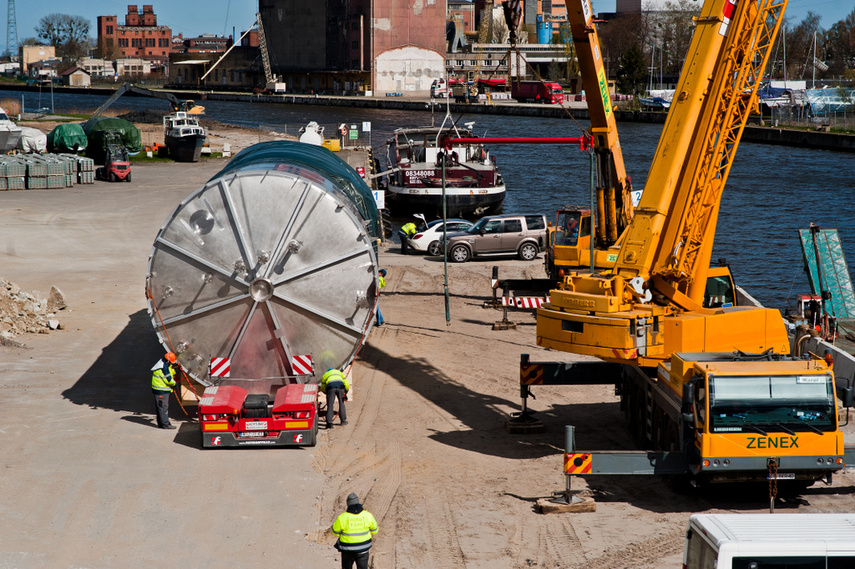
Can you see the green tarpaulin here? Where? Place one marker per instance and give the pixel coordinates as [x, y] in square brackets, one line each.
[67, 138]
[95, 132]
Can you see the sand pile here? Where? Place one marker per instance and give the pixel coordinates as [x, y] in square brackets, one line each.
[23, 312]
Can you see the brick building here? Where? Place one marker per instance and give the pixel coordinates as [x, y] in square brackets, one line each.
[379, 46]
[139, 37]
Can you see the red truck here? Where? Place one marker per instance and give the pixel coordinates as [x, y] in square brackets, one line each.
[231, 417]
[537, 91]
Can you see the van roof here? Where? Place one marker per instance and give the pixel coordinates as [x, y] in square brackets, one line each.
[721, 528]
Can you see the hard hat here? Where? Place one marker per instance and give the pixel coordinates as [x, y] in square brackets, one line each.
[170, 357]
[382, 272]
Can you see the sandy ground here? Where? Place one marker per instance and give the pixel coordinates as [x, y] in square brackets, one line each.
[86, 481]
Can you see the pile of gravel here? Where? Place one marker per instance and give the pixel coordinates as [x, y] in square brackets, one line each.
[22, 312]
[147, 116]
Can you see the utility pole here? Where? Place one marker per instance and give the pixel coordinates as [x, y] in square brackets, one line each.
[11, 31]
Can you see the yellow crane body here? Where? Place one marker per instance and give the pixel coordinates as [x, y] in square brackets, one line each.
[652, 301]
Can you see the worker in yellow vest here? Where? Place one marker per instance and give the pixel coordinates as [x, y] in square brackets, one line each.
[163, 376]
[335, 385]
[409, 230]
[355, 529]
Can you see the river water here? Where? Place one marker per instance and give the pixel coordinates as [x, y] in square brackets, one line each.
[772, 191]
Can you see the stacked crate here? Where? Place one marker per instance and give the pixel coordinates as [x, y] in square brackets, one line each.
[15, 173]
[84, 168]
[37, 171]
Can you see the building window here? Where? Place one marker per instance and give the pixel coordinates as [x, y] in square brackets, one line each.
[109, 30]
[123, 42]
[354, 45]
[109, 42]
[149, 42]
[354, 26]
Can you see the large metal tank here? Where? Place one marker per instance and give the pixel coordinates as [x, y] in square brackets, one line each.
[275, 257]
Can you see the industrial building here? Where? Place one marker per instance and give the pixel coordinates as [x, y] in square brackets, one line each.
[356, 46]
[140, 36]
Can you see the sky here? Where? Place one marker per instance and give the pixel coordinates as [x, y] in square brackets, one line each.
[192, 17]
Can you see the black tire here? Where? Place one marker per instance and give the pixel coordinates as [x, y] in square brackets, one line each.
[128, 179]
[314, 440]
[434, 249]
[460, 253]
[528, 251]
[112, 176]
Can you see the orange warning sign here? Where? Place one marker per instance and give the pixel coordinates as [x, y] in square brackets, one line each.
[577, 463]
[531, 374]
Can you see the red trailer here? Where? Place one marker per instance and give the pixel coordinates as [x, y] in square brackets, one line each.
[537, 91]
[231, 417]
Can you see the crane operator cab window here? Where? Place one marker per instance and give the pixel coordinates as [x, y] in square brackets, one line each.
[567, 233]
[719, 292]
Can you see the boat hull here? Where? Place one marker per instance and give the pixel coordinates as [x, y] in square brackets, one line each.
[185, 148]
[460, 202]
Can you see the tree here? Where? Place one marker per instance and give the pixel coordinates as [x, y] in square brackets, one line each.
[674, 30]
[68, 34]
[631, 73]
[618, 36]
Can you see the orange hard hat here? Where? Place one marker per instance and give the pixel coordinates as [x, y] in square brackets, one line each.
[170, 357]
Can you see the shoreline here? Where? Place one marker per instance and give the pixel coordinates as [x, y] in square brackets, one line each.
[761, 134]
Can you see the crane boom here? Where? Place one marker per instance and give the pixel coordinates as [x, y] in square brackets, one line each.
[650, 305]
[614, 192]
[176, 103]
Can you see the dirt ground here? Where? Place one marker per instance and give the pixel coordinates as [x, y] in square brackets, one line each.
[87, 481]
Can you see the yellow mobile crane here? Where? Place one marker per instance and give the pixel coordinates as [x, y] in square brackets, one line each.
[569, 241]
[711, 390]
[650, 304]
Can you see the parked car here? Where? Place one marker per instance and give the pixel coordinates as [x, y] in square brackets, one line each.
[427, 240]
[523, 235]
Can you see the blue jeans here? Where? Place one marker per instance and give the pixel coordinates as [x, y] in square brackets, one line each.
[380, 319]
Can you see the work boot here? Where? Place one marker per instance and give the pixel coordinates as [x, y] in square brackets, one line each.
[344, 422]
[329, 425]
[170, 427]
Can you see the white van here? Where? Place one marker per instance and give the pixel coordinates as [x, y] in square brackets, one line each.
[770, 541]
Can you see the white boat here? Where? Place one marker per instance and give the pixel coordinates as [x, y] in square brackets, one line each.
[183, 136]
[473, 184]
[10, 133]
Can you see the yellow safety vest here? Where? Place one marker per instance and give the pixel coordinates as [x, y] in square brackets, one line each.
[409, 229]
[355, 531]
[382, 280]
[161, 378]
[333, 376]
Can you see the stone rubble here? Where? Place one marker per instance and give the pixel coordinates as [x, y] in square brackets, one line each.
[22, 312]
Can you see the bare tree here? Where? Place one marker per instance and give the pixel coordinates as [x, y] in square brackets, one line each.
[68, 34]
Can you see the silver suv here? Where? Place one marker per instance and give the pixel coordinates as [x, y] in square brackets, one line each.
[523, 235]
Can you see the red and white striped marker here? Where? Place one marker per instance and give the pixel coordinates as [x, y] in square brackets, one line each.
[523, 301]
[302, 365]
[221, 367]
